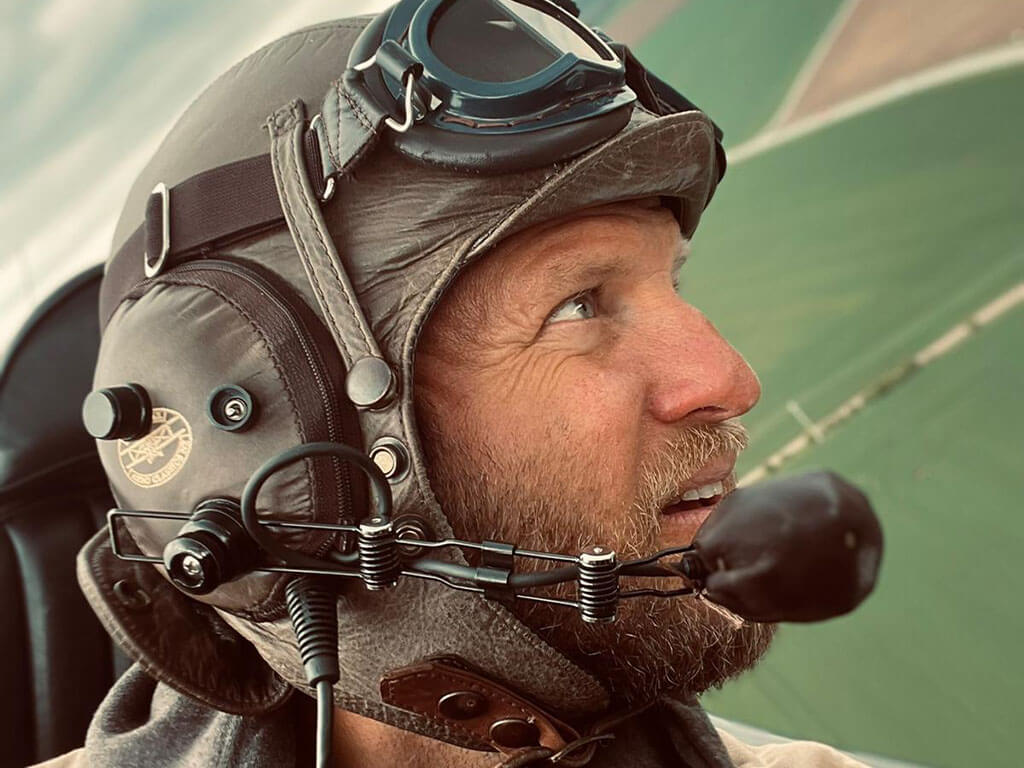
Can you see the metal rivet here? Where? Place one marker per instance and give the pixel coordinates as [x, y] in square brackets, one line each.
[461, 705]
[391, 457]
[514, 732]
[371, 383]
[412, 526]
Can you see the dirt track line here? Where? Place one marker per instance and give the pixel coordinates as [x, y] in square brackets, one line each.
[1003, 57]
[951, 339]
[812, 63]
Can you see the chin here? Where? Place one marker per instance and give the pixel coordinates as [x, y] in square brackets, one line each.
[681, 646]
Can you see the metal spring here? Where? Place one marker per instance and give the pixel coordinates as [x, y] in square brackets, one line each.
[597, 585]
[379, 564]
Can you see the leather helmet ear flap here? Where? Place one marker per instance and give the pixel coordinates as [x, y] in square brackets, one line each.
[246, 329]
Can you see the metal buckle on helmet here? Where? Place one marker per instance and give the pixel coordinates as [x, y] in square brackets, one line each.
[152, 265]
[407, 68]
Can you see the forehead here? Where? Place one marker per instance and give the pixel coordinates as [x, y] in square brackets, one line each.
[603, 237]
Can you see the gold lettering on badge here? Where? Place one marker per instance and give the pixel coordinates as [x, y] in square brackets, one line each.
[159, 456]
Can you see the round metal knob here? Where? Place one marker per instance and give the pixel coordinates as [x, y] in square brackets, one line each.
[371, 383]
[118, 413]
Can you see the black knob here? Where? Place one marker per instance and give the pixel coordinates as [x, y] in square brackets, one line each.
[212, 548]
[118, 413]
[193, 563]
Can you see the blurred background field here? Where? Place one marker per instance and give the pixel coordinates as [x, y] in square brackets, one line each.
[875, 201]
[867, 243]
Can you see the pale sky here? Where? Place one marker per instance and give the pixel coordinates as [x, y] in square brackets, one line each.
[87, 90]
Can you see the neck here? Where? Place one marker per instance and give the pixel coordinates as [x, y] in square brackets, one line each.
[360, 741]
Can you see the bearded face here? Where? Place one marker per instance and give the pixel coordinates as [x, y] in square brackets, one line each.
[568, 397]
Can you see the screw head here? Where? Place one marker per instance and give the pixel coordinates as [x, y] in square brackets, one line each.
[231, 408]
[190, 564]
[235, 409]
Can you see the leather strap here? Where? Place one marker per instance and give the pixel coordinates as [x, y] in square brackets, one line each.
[209, 209]
[489, 712]
[334, 292]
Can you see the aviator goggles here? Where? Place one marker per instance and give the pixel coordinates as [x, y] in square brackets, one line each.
[489, 86]
[478, 86]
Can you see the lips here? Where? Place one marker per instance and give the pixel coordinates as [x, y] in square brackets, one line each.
[683, 516]
[689, 506]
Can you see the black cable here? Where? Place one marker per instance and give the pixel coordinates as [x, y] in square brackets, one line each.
[380, 495]
[314, 613]
[324, 723]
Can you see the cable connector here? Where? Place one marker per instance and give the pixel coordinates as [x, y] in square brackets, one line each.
[314, 613]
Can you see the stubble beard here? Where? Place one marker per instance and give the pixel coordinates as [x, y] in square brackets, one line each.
[676, 645]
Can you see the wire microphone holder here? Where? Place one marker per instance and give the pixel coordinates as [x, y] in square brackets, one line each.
[380, 564]
[381, 559]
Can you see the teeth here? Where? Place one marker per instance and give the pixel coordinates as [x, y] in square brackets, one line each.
[709, 490]
[704, 492]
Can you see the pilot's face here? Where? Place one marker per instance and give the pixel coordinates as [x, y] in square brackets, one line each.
[568, 396]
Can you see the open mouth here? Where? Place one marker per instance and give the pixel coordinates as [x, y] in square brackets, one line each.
[705, 496]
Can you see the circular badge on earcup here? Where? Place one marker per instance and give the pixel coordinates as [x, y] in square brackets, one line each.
[158, 456]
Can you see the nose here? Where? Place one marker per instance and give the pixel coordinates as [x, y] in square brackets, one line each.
[695, 374]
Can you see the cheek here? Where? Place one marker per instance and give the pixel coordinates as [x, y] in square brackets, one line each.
[583, 424]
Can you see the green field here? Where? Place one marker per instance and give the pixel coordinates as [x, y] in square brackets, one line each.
[929, 668]
[831, 259]
[827, 261]
[735, 58]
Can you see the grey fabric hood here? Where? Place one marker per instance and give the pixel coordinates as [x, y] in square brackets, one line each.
[369, 265]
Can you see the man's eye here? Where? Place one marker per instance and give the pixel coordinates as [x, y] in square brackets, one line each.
[582, 306]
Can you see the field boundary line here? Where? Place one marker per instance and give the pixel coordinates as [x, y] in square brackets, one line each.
[961, 68]
[942, 345]
[812, 64]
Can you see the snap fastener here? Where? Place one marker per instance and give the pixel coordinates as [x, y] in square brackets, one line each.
[371, 383]
[130, 596]
[514, 732]
[391, 458]
[461, 705]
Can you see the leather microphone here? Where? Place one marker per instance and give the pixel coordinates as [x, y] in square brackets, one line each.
[798, 549]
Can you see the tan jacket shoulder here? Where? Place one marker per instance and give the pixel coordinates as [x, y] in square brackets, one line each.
[790, 754]
[74, 759]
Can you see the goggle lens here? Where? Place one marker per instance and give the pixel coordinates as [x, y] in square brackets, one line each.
[500, 41]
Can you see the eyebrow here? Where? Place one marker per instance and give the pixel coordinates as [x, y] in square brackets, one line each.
[559, 273]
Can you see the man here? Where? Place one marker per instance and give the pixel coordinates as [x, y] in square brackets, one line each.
[503, 316]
